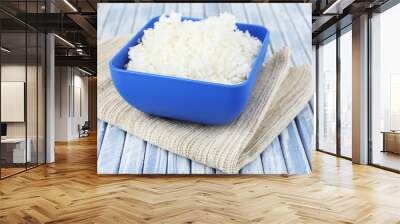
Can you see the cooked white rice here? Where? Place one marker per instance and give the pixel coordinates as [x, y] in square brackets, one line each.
[210, 50]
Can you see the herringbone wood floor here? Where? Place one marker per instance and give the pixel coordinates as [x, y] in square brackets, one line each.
[70, 191]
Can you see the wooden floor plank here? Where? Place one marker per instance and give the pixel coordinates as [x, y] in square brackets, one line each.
[293, 151]
[102, 14]
[211, 9]
[184, 9]
[197, 168]
[306, 11]
[101, 129]
[238, 11]
[272, 159]
[157, 10]
[311, 103]
[253, 16]
[298, 27]
[289, 34]
[112, 21]
[305, 126]
[141, 17]
[177, 164]
[218, 172]
[111, 151]
[255, 167]
[127, 20]
[301, 29]
[197, 10]
[299, 56]
[270, 20]
[70, 191]
[155, 160]
[132, 157]
[170, 7]
[224, 8]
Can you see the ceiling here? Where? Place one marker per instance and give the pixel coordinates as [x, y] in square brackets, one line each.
[16, 42]
[332, 15]
[74, 22]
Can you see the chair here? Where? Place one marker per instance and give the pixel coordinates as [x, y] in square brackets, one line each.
[84, 130]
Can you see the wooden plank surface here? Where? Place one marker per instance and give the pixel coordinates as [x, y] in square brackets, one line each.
[305, 127]
[155, 160]
[198, 168]
[111, 150]
[255, 167]
[289, 25]
[177, 164]
[132, 157]
[70, 191]
[293, 151]
[101, 129]
[273, 160]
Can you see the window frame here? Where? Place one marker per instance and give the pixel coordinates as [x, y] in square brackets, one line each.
[334, 37]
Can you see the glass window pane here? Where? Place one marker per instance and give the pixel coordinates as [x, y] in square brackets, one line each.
[31, 97]
[23, 87]
[41, 98]
[327, 97]
[32, 89]
[346, 94]
[14, 153]
[386, 89]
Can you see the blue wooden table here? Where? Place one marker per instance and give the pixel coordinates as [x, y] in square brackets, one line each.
[289, 25]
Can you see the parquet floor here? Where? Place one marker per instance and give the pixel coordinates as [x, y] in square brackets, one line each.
[11, 170]
[70, 191]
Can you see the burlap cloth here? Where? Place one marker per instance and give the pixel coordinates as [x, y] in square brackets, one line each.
[279, 95]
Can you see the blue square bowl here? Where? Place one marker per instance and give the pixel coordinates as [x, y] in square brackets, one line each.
[185, 99]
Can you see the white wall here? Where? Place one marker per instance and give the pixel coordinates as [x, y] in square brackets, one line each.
[33, 126]
[82, 82]
[16, 72]
[70, 83]
[12, 101]
[61, 103]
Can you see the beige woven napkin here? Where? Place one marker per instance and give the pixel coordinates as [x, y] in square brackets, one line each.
[279, 95]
